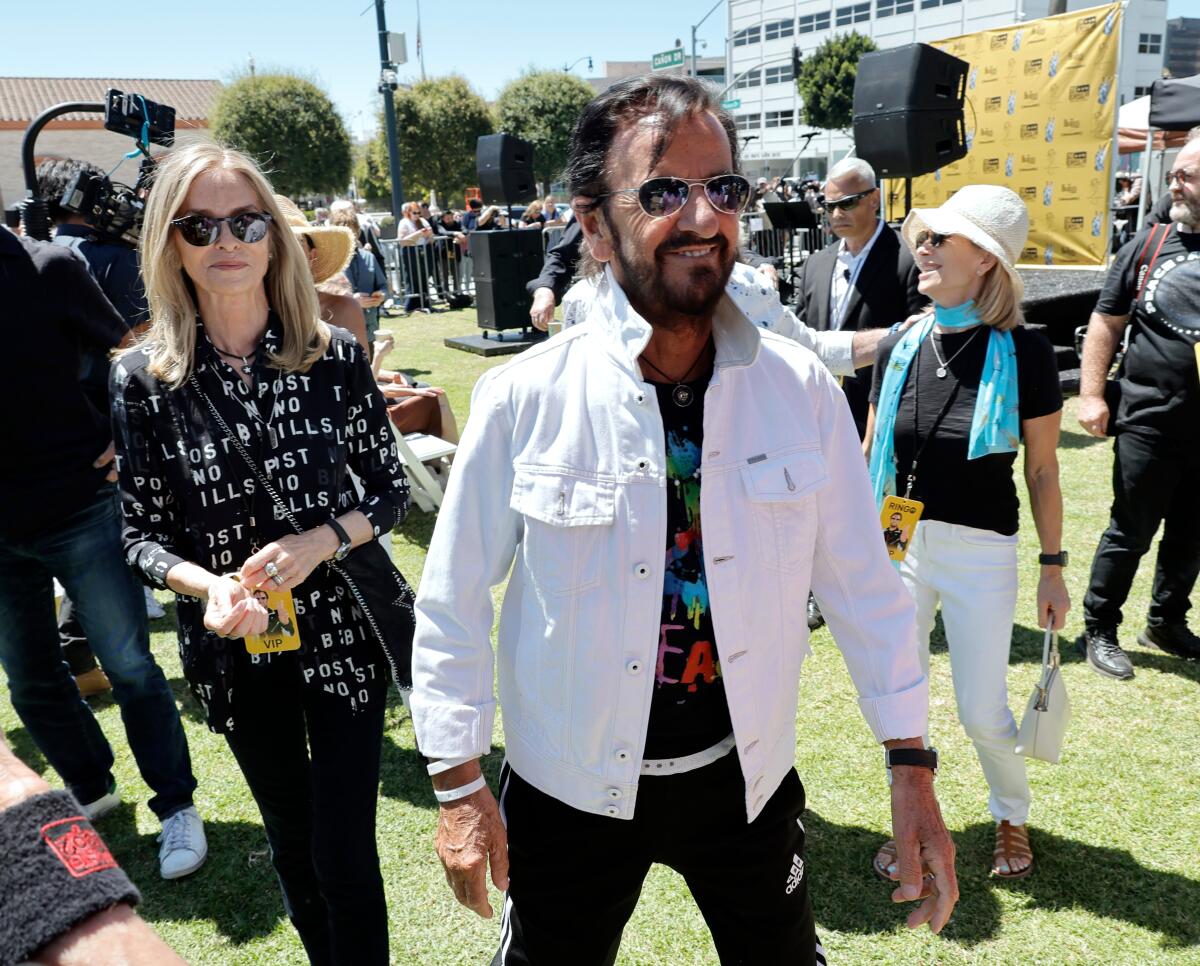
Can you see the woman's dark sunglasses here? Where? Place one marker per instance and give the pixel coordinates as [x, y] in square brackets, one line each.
[932, 238]
[203, 230]
[663, 197]
[849, 203]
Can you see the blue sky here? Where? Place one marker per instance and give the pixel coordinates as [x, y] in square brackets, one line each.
[488, 41]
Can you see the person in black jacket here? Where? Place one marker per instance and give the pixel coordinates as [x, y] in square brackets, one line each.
[865, 280]
[239, 417]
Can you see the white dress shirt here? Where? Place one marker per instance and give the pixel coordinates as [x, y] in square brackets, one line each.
[845, 272]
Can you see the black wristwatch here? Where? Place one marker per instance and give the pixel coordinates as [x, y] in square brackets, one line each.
[920, 757]
[344, 544]
[1053, 559]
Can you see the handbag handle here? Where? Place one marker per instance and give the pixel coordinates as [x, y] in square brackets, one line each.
[1050, 661]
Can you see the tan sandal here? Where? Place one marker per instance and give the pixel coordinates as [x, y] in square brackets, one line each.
[1012, 842]
[887, 855]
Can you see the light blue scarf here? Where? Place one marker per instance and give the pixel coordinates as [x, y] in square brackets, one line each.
[995, 426]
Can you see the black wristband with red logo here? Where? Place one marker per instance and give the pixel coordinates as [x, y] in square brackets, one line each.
[56, 872]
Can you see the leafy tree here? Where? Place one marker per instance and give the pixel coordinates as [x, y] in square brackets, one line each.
[826, 81]
[290, 127]
[438, 122]
[542, 107]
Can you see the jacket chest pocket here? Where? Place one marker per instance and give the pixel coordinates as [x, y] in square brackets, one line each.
[565, 523]
[783, 508]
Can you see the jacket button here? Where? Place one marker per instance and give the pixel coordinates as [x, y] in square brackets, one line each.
[612, 810]
[634, 666]
[640, 397]
[641, 571]
[643, 464]
[614, 793]
[621, 755]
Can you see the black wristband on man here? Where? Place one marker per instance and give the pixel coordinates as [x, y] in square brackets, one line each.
[56, 872]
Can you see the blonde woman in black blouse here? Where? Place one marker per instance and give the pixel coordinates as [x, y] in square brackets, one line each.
[237, 385]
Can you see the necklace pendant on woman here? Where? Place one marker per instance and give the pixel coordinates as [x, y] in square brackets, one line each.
[941, 372]
[682, 396]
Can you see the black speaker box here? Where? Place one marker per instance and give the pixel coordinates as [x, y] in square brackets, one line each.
[504, 166]
[915, 77]
[503, 262]
[500, 305]
[908, 110]
[910, 143]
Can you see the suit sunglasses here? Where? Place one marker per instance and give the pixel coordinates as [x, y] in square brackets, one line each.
[932, 238]
[849, 203]
[203, 230]
[664, 197]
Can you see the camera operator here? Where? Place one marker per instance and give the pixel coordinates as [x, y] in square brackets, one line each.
[59, 518]
[115, 268]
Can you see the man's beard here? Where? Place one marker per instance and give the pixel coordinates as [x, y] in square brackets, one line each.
[667, 306]
[1187, 212]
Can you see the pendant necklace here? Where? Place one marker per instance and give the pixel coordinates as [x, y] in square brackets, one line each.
[944, 365]
[682, 394]
[247, 365]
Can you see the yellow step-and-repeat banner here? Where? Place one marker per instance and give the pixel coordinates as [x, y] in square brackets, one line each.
[1040, 114]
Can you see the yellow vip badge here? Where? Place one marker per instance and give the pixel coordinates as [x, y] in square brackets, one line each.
[1197, 348]
[899, 517]
[281, 634]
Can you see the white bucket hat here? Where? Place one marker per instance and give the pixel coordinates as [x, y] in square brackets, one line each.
[990, 216]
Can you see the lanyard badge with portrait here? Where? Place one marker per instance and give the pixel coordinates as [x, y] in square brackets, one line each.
[898, 515]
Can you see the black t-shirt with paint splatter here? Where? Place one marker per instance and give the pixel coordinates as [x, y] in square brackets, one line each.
[688, 712]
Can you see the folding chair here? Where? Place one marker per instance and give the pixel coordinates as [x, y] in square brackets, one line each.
[416, 450]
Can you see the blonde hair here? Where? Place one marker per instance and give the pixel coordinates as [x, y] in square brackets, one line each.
[534, 209]
[999, 301]
[170, 340]
[343, 215]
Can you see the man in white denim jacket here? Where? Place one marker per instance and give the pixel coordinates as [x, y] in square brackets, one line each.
[570, 464]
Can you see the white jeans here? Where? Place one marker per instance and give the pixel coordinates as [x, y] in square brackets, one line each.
[973, 573]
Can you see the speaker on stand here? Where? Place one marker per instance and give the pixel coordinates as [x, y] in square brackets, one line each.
[908, 112]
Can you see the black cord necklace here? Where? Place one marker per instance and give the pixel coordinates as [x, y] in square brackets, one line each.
[681, 394]
[247, 365]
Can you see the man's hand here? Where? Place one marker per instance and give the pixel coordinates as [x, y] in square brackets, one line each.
[108, 458]
[1093, 414]
[541, 313]
[470, 834]
[922, 842]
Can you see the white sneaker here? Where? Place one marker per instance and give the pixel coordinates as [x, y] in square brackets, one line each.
[184, 847]
[154, 610]
[102, 805]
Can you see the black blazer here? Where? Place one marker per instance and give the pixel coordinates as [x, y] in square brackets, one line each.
[884, 293]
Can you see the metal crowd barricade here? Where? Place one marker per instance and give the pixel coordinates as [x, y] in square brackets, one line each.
[426, 275]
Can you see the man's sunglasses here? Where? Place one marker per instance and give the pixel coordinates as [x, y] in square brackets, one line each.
[664, 197]
[849, 203]
[203, 230]
[932, 238]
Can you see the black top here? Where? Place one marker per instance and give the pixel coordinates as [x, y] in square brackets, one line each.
[114, 266]
[1160, 391]
[187, 495]
[978, 493]
[51, 432]
[688, 711]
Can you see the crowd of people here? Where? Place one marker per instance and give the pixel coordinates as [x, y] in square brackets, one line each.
[213, 419]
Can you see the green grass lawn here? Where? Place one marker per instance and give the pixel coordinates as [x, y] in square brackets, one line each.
[1116, 826]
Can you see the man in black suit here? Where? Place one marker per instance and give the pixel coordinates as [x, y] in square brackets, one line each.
[865, 280]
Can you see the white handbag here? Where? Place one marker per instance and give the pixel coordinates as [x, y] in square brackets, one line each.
[1048, 711]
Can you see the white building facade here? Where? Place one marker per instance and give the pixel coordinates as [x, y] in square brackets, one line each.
[762, 32]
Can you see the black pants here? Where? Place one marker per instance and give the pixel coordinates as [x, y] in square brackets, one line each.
[313, 768]
[76, 650]
[575, 877]
[1154, 481]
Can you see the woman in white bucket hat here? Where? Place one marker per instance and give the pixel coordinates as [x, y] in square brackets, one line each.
[953, 397]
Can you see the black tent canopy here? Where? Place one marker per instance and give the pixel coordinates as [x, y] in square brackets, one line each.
[1175, 103]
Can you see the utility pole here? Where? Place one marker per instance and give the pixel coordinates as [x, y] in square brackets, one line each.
[387, 84]
[695, 27]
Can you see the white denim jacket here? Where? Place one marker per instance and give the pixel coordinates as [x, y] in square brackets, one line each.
[561, 467]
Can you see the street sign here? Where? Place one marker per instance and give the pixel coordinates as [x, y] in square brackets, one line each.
[667, 59]
[397, 49]
[732, 105]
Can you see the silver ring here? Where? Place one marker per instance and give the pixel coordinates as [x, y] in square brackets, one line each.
[271, 569]
[278, 580]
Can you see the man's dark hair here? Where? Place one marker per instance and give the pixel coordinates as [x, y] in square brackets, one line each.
[54, 176]
[670, 98]
[475, 203]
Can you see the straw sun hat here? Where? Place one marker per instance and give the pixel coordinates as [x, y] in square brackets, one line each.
[333, 245]
[991, 216]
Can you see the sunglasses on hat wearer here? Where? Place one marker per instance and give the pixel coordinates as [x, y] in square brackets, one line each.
[932, 237]
[203, 230]
[849, 203]
[663, 197]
